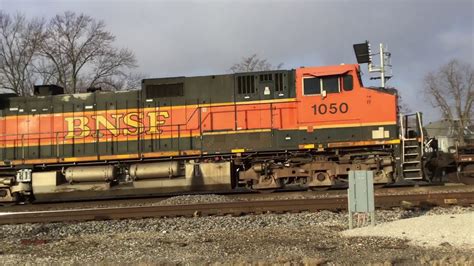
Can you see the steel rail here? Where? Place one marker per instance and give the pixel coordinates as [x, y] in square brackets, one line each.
[233, 208]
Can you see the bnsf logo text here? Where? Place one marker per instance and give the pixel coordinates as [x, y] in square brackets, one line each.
[126, 124]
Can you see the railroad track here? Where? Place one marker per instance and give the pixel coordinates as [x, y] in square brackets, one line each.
[336, 202]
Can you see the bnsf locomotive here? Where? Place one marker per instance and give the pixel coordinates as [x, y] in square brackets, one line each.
[268, 130]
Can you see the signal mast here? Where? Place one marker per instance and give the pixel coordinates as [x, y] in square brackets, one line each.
[364, 55]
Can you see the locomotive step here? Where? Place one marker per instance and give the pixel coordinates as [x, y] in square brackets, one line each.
[411, 154]
[412, 170]
[411, 162]
[414, 178]
[411, 146]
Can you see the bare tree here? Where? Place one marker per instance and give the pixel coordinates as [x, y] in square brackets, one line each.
[253, 63]
[111, 66]
[451, 90]
[80, 50]
[127, 81]
[20, 41]
[45, 72]
[402, 105]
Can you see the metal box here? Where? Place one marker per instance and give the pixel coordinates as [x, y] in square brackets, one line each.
[360, 195]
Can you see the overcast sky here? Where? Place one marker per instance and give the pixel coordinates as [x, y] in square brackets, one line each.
[173, 38]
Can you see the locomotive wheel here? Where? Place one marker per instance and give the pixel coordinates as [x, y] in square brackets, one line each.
[266, 191]
[319, 188]
[16, 198]
[19, 199]
[463, 177]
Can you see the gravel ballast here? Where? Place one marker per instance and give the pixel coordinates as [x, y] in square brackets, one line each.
[304, 238]
[232, 197]
[193, 199]
[448, 229]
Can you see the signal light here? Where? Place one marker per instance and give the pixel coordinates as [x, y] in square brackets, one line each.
[362, 52]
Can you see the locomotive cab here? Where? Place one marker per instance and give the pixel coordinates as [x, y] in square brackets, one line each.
[333, 98]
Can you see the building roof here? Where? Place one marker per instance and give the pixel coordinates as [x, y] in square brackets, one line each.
[6, 91]
[439, 128]
[442, 128]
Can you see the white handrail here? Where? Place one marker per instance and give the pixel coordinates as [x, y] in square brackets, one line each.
[402, 138]
[420, 126]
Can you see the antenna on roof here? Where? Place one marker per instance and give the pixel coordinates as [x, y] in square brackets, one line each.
[364, 55]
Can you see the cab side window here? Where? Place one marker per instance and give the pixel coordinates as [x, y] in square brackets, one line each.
[331, 84]
[348, 82]
[311, 86]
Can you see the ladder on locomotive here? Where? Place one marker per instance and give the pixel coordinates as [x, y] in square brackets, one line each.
[412, 141]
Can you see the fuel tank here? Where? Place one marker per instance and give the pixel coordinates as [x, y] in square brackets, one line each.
[79, 174]
[155, 170]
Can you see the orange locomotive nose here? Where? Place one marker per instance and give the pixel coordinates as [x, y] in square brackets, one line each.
[332, 97]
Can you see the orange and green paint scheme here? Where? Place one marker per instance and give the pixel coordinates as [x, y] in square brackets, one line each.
[346, 112]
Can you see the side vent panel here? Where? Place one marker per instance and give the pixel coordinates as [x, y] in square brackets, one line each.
[279, 82]
[164, 90]
[246, 84]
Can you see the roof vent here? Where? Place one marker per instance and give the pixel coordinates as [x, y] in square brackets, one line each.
[94, 89]
[47, 90]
